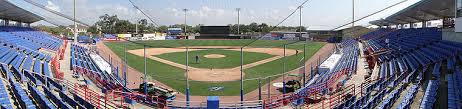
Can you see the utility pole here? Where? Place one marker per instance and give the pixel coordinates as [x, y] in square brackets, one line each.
[75, 24]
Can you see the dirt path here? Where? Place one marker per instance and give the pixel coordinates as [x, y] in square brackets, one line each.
[134, 75]
[203, 74]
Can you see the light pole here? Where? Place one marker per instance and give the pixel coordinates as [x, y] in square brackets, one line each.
[144, 78]
[136, 26]
[242, 77]
[284, 71]
[304, 48]
[187, 61]
[125, 63]
[353, 18]
[238, 20]
[75, 24]
[185, 10]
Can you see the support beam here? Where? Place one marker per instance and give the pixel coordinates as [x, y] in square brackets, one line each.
[424, 24]
[411, 25]
[7, 22]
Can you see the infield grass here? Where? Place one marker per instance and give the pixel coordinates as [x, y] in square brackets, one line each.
[232, 59]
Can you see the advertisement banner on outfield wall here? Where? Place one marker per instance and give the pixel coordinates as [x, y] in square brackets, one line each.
[149, 35]
[170, 37]
[124, 35]
[134, 38]
[289, 36]
[159, 38]
[191, 37]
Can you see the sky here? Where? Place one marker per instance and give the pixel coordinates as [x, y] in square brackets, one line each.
[316, 14]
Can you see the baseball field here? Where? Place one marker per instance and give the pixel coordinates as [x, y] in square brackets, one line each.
[214, 63]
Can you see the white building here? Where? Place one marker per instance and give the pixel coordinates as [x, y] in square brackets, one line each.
[80, 28]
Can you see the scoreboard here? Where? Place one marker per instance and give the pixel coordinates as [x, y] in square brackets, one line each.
[215, 30]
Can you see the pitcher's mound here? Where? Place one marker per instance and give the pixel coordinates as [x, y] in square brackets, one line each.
[214, 56]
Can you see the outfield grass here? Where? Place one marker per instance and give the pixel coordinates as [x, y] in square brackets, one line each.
[232, 59]
[174, 77]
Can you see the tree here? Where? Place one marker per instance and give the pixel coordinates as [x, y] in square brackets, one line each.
[107, 23]
[162, 29]
[93, 29]
[254, 27]
[53, 29]
[124, 26]
[303, 29]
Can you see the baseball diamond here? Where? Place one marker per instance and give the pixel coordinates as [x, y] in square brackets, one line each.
[230, 54]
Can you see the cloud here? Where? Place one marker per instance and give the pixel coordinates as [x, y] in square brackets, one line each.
[52, 6]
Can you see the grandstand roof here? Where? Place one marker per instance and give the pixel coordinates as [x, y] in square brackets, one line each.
[424, 10]
[12, 12]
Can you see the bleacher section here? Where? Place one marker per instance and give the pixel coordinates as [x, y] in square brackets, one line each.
[325, 83]
[409, 53]
[26, 68]
[454, 92]
[375, 34]
[82, 64]
[28, 39]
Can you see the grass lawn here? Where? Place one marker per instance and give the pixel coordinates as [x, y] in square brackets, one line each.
[174, 77]
[232, 59]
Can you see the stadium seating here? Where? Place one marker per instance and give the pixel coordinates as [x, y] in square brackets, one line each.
[454, 92]
[348, 60]
[375, 34]
[29, 41]
[410, 52]
[430, 95]
[4, 97]
[40, 98]
[408, 98]
[82, 64]
[22, 50]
